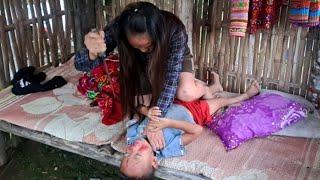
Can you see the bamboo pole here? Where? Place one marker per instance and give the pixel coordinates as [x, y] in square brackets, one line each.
[239, 64]
[59, 30]
[262, 56]
[52, 37]
[35, 34]
[300, 58]
[212, 38]
[231, 62]
[41, 37]
[23, 11]
[307, 63]
[69, 27]
[4, 74]
[3, 154]
[182, 10]
[16, 51]
[290, 58]
[19, 34]
[7, 39]
[24, 37]
[245, 57]
[256, 54]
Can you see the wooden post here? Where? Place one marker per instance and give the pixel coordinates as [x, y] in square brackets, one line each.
[84, 20]
[3, 154]
[5, 74]
[183, 9]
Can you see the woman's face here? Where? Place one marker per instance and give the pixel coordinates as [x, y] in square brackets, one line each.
[141, 41]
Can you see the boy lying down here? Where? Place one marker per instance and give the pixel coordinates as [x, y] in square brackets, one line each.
[181, 125]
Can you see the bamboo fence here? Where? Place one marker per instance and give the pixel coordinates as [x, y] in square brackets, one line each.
[280, 58]
[33, 32]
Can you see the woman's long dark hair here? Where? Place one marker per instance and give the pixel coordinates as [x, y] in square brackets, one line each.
[139, 18]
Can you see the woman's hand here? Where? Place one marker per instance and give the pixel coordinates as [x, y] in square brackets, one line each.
[94, 41]
[153, 113]
[157, 124]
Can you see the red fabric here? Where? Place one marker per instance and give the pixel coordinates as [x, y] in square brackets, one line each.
[199, 110]
[104, 89]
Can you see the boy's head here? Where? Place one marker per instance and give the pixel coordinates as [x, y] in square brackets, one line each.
[139, 161]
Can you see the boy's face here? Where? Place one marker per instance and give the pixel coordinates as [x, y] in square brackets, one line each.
[138, 159]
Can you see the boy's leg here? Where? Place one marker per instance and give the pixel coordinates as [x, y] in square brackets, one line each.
[216, 104]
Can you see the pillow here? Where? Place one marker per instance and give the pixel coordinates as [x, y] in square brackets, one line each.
[259, 116]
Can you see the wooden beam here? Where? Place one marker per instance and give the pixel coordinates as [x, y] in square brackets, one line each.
[103, 153]
[3, 154]
[183, 9]
[84, 20]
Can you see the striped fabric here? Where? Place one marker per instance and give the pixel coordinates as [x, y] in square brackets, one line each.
[314, 14]
[239, 17]
[305, 12]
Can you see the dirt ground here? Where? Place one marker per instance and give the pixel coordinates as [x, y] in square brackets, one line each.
[32, 160]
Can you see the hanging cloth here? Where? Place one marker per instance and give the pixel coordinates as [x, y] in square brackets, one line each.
[239, 17]
[314, 14]
[305, 12]
[263, 14]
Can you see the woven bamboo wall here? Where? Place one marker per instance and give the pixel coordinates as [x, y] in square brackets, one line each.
[280, 58]
[33, 32]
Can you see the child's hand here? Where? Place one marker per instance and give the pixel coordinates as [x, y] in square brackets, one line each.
[156, 124]
[153, 112]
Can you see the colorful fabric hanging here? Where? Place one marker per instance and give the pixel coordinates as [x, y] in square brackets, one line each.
[314, 14]
[239, 17]
[305, 12]
[263, 14]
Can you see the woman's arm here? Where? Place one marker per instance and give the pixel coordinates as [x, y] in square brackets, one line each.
[177, 48]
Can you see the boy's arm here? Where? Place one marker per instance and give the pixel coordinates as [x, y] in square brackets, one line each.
[191, 131]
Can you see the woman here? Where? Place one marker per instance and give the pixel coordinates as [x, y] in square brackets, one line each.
[154, 57]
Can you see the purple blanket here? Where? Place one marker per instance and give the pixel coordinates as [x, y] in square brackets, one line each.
[259, 116]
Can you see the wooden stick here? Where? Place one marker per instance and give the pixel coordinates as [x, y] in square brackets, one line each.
[3, 154]
[28, 34]
[16, 51]
[2, 75]
[69, 27]
[35, 34]
[59, 31]
[267, 61]
[51, 36]
[19, 34]
[9, 52]
[41, 32]
[5, 74]
[307, 63]
[245, 57]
